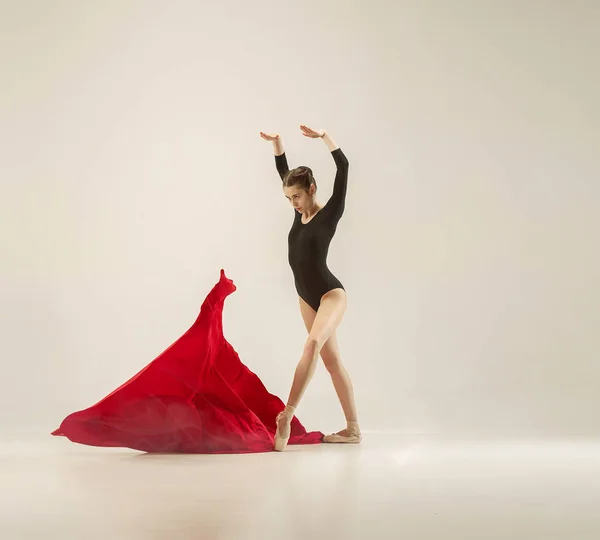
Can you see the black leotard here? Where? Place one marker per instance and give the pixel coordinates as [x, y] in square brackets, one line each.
[308, 243]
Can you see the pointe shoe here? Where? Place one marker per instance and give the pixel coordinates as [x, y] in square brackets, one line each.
[282, 433]
[350, 435]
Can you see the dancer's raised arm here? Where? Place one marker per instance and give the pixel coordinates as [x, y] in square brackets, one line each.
[280, 157]
[337, 201]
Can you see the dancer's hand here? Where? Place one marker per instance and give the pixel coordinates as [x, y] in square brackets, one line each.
[270, 137]
[307, 132]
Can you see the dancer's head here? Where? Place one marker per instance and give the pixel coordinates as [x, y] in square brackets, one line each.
[299, 187]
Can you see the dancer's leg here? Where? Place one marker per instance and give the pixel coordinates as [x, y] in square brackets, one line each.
[330, 353]
[327, 319]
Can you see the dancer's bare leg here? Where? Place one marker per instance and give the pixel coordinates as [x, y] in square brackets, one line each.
[330, 354]
[327, 319]
[343, 386]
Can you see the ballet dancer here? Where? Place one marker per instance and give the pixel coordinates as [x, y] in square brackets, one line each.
[321, 295]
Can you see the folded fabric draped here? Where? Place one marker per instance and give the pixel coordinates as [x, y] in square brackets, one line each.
[195, 397]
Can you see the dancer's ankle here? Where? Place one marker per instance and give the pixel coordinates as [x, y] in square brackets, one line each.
[352, 425]
[288, 411]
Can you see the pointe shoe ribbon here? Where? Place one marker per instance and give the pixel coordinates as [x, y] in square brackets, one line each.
[353, 437]
[282, 433]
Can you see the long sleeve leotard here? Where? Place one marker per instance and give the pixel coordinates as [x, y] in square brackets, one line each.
[308, 243]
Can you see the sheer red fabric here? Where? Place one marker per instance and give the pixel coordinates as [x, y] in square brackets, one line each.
[195, 397]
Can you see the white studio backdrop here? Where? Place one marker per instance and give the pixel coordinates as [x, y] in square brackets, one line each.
[132, 171]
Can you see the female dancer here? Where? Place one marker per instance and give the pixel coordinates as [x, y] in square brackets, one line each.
[322, 297]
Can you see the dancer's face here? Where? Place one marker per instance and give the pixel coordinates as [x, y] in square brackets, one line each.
[300, 199]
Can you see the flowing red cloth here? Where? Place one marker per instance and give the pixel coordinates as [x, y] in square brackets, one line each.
[195, 397]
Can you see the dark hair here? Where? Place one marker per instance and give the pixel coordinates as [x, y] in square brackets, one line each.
[300, 176]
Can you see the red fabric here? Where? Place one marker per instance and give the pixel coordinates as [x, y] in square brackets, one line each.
[196, 397]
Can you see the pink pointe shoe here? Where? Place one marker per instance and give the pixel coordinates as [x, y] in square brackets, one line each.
[350, 435]
[282, 433]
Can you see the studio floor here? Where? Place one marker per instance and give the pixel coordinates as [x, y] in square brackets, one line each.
[390, 487]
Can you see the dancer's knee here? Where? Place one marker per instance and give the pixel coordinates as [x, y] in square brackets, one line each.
[312, 347]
